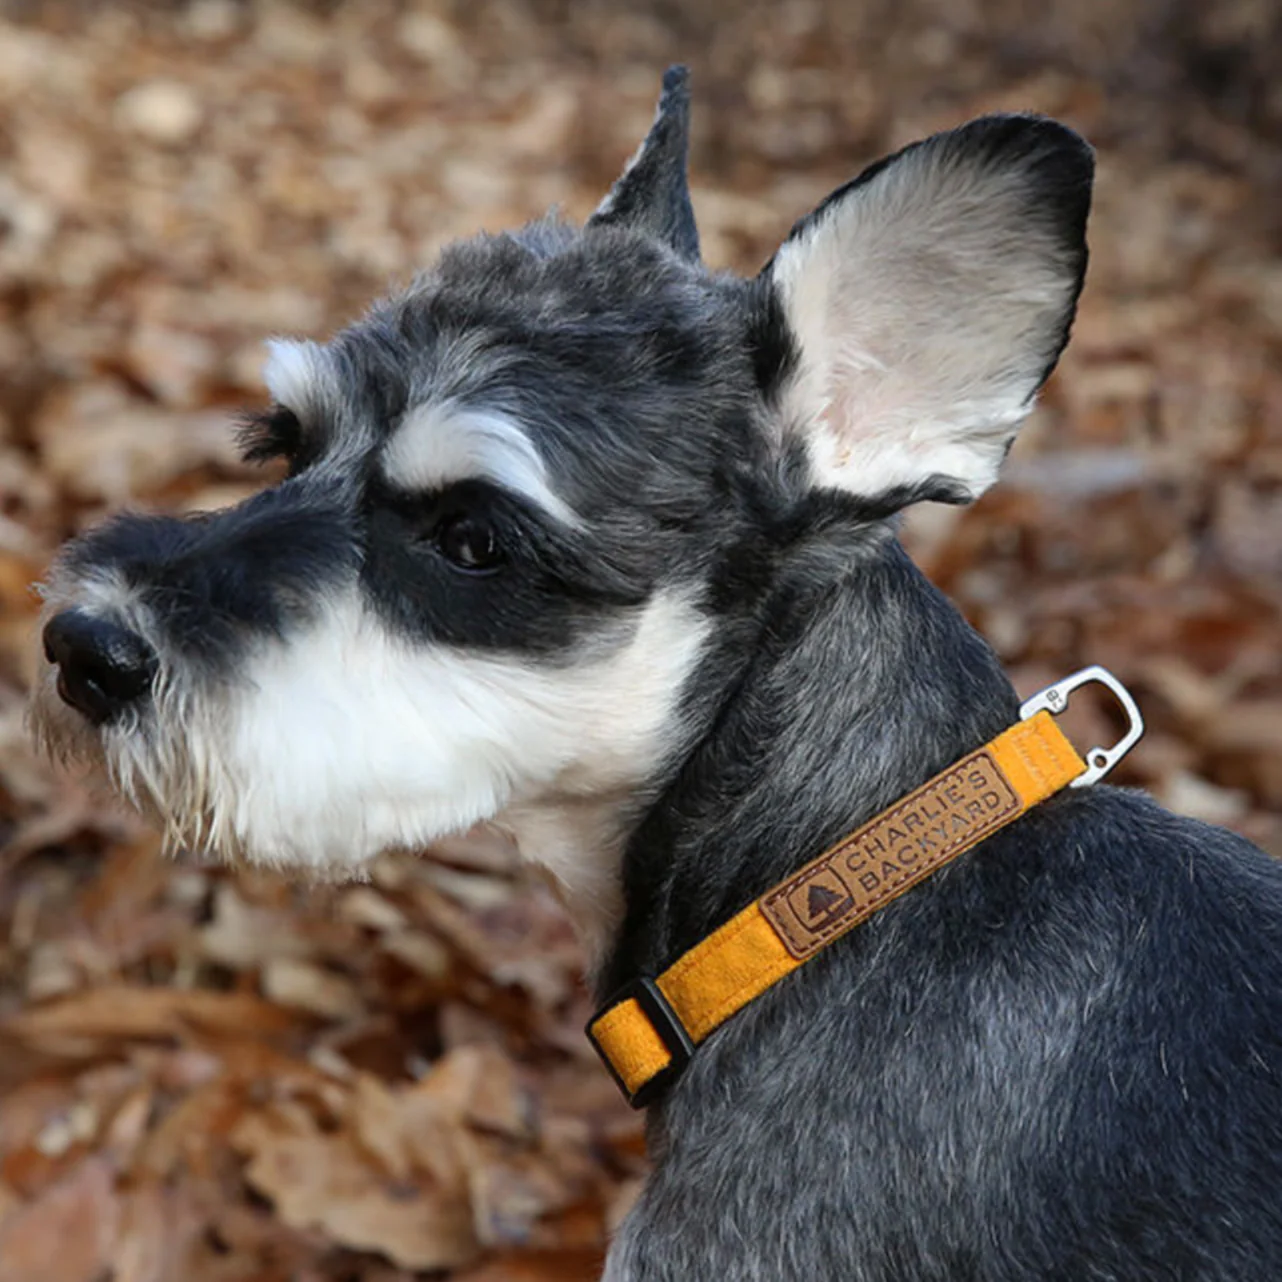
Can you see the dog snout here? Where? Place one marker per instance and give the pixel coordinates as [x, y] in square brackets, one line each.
[102, 667]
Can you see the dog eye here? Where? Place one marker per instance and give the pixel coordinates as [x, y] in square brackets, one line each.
[469, 542]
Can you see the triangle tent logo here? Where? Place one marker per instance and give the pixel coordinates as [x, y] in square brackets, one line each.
[821, 900]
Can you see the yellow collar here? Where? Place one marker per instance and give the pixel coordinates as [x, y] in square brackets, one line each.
[648, 1030]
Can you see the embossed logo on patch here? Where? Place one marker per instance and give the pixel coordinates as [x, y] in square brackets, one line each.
[849, 882]
[822, 901]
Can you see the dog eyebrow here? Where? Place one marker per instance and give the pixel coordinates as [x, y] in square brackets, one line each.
[437, 445]
[301, 376]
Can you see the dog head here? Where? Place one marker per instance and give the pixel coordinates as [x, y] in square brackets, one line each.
[535, 503]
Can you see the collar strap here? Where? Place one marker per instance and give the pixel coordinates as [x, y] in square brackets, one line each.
[647, 1032]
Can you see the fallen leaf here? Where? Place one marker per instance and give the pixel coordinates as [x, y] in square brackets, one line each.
[325, 1182]
[539, 1266]
[378, 1125]
[68, 1233]
[307, 987]
[101, 444]
[244, 936]
[117, 1012]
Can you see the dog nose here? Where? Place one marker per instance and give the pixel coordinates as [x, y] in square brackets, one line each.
[102, 667]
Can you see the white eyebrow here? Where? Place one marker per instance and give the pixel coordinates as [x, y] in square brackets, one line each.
[437, 445]
[299, 375]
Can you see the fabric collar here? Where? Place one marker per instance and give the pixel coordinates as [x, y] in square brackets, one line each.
[647, 1032]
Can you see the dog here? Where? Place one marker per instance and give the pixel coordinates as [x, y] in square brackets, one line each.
[587, 543]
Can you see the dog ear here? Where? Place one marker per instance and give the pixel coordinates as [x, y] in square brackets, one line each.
[906, 325]
[652, 194]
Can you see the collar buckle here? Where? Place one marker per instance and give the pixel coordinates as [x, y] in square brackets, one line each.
[667, 1025]
[1054, 699]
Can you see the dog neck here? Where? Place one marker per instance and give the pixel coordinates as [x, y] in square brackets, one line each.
[864, 683]
[576, 844]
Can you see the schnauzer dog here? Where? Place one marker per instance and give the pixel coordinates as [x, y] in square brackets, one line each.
[588, 543]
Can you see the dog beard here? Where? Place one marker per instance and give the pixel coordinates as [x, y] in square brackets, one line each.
[322, 750]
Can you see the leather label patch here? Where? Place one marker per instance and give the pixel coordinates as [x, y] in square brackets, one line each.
[851, 881]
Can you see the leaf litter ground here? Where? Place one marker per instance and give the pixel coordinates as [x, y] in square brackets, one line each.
[226, 1077]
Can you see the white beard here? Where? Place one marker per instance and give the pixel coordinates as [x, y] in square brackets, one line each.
[345, 741]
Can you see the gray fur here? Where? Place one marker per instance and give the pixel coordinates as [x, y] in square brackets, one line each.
[1057, 1059]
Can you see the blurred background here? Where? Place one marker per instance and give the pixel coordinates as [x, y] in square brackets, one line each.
[228, 1078]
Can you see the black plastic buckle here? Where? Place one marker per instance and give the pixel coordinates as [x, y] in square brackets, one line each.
[672, 1033]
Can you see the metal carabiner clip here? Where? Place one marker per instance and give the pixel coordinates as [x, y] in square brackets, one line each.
[1054, 699]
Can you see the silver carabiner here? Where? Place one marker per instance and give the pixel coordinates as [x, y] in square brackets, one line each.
[1054, 699]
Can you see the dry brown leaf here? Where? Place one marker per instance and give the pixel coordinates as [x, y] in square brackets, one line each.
[176, 366]
[325, 1182]
[510, 1193]
[145, 1249]
[476, 890]
[307, 987]
[26, 1109]
[100, 444]
[1254, 725]
[243, 936]
[126, 1129]
[525, 942]
[1187, 794]
[479, 1084]
[68, 1233]
[185, 1136]
[132, 875]
[114, 1013]
[180, 188]
[498, 1100]
[366, 907]
[583, 1265]
[419, 951]
[378, 1125]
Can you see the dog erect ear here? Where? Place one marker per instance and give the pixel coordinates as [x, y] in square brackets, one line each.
[653, 194]
[910, 320]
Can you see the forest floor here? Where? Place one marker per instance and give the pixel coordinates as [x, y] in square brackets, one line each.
[224, 1076]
